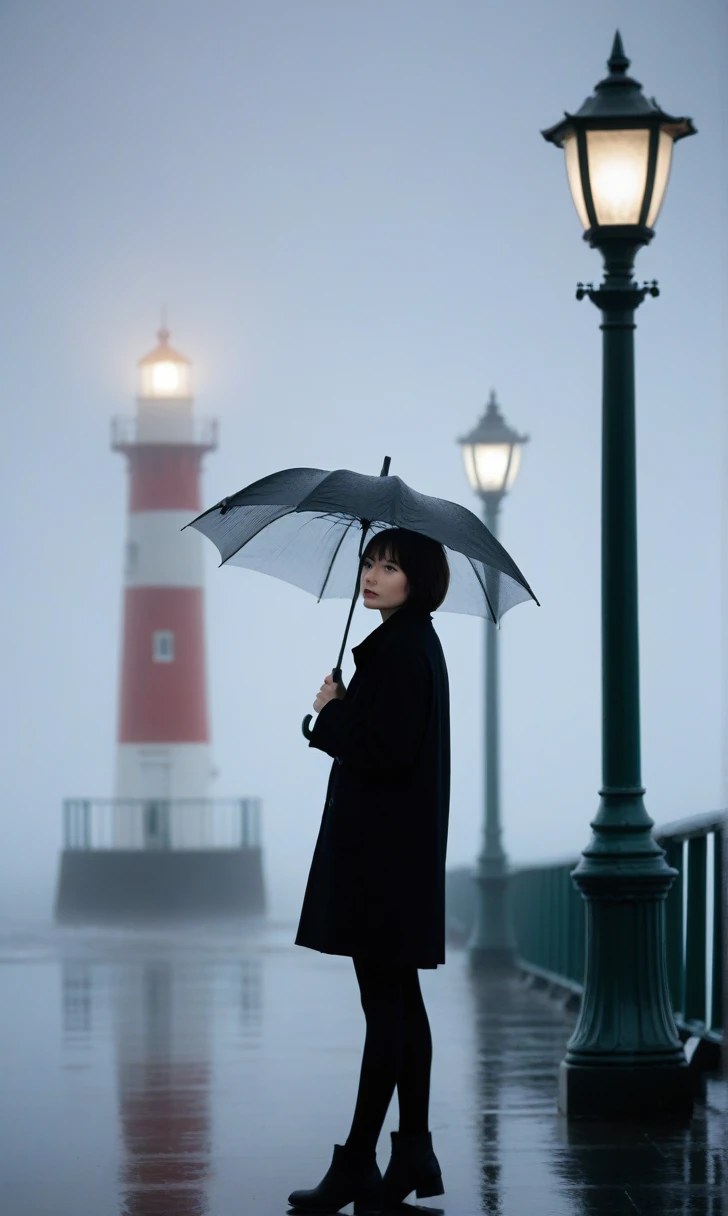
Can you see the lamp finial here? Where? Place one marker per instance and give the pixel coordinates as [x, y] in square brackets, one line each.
[618, 61]
[492, 410]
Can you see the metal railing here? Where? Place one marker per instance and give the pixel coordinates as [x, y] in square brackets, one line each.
[695, 915]
[161, 823]
[203, 432]
[549, 922]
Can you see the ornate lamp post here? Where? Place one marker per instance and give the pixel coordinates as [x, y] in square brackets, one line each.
[625, 1058]
[492, 455]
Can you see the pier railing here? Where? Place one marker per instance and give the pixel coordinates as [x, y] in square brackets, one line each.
[549, 922]
[161, 823]
[696, 911]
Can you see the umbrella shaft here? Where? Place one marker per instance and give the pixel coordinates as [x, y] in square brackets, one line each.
[336, 673]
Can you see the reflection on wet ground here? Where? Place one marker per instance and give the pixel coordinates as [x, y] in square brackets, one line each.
[208, 1071]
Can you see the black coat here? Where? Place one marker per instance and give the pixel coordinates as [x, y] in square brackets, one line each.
[377, 881]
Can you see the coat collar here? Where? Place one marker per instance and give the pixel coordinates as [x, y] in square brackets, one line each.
[408, 614]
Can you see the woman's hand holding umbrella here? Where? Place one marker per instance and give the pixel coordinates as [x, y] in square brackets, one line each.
[328, 692]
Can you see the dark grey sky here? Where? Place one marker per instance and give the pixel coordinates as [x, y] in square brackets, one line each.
[358, 231]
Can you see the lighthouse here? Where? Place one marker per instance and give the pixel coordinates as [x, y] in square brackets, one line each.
[161, 846]
[163, 740]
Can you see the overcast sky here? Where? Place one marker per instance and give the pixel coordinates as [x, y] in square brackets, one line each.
[358, 231]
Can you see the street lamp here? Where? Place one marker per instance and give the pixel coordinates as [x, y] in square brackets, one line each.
[492, 455]
[625, 1058]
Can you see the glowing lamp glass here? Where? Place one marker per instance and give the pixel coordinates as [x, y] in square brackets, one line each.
[491, 468]
[617, 172]
[573, 173]
[662, 173]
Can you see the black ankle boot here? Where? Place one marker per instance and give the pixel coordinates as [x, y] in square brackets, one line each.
[413, 1166]
[352, 1176]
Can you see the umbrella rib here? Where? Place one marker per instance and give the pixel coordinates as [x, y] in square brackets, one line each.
[336, 554]
[333, 518]
[485, 593]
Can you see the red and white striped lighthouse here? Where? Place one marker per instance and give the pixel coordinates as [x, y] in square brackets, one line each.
[163, 731]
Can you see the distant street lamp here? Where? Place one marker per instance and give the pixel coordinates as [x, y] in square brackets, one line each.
[492, 455]
[625, 1058]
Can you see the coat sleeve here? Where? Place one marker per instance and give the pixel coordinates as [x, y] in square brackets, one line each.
[382, 734]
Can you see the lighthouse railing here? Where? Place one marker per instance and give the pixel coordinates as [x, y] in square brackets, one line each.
[199, 432]
[162, 823]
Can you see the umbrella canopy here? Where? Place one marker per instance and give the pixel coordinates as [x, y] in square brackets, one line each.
[308, 527]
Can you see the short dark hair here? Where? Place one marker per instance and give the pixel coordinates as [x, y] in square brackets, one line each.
[422, 559]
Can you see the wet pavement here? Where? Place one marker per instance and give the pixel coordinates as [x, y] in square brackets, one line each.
[207, 1071]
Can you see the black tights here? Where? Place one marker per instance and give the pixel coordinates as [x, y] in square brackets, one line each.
[397, 1052]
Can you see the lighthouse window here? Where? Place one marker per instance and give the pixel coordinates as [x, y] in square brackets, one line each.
[132, 557]
[163, 646]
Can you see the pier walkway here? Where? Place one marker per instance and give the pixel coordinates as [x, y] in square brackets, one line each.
[206, 1071]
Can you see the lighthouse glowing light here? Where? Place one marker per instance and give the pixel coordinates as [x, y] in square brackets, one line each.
[163, 732]
[164, 373]
[165, 379]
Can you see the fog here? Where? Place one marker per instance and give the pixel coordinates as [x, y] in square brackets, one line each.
[358, 231]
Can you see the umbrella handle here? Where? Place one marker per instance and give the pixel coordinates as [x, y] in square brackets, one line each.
[305, 725]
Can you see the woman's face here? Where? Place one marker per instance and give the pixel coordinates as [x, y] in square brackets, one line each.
[383, 583]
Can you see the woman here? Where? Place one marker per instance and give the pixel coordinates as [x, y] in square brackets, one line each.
[376, 889]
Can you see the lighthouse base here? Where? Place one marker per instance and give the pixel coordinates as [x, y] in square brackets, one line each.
[121, 886]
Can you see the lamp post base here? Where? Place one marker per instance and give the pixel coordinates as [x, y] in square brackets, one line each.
[492, 945]
[623, 1091]
[625, 1058]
